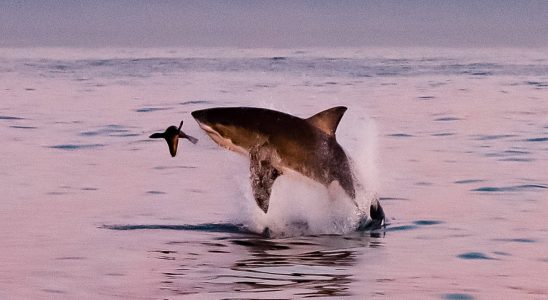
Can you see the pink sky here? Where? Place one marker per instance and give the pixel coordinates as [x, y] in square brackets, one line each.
[274, 23]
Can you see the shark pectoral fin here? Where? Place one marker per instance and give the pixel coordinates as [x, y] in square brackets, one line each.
[263, 175]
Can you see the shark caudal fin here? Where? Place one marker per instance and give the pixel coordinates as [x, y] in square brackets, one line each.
[328, 120]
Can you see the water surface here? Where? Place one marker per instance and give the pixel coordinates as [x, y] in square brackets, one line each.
[454, 142]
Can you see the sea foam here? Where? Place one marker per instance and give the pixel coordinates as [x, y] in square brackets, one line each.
[301, 206]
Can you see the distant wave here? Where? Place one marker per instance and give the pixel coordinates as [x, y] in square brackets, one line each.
[312, 66]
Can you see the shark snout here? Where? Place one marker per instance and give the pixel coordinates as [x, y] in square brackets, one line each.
[200, 116]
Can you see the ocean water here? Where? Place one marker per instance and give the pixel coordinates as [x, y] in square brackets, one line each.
[453, 141]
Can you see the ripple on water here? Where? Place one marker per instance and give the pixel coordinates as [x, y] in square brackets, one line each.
[493, 137]
[194, 102]
[401, 228]
[517, 240]
[54, 291]
[311, 266]
[10, 118]
[515, 188]
[443, 134]
[447, 119]
[151, 109]
[517, 159]
[466, 181]
[458, 296]
[320, 272]
[511, 155]
[23, 127]
[400, 135]
[537, 84]
[155, 192]
[110, 130]
[73, 147]
[427, 222]
[474, 255]
[540, 139]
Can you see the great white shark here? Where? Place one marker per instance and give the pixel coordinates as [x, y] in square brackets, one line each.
[278, 143]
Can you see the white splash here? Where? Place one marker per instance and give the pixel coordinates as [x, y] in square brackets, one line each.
[300, 206]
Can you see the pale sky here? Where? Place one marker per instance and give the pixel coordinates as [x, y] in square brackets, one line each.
[287, 24]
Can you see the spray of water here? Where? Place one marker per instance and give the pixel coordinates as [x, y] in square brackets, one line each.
[300, 206]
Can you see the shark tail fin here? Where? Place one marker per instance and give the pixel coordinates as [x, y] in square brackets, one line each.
[328, 120]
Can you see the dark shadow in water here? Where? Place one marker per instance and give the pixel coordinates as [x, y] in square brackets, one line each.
[206, 227]
[363, 227]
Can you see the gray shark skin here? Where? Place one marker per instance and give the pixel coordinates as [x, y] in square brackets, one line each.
[277, 143]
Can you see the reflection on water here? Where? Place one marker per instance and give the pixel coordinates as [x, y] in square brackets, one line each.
[304, 267]
[267, 269]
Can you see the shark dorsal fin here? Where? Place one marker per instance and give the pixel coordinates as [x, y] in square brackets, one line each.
[328, 120]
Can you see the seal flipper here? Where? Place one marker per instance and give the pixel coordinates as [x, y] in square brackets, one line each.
[263, 175]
